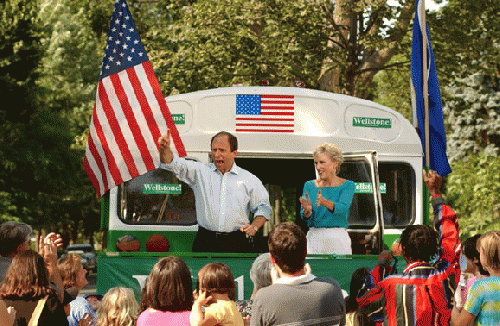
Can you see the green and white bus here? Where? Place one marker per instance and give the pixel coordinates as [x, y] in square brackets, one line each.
[154, 214]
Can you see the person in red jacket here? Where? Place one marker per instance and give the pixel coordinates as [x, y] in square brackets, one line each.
[423, 294]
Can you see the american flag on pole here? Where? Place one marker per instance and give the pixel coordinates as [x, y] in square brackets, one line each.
[437, 136]
[265, 113]
[130, 112]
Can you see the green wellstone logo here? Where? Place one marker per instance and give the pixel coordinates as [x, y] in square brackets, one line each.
[179, 119]
[366, 188]
[161, 189]
[371, 122]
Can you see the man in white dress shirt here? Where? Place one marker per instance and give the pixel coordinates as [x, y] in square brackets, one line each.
[225, 195]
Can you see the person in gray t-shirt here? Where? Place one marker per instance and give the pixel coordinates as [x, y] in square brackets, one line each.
[296, 295]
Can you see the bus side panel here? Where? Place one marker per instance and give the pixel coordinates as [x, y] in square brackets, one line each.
[131, 271]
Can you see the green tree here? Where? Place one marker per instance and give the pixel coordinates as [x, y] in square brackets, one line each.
[466, 34]
[472, 190]
[338, 48]
[473, 116]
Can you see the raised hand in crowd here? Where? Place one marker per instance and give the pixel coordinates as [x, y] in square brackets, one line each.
[47, 248]
[433, 182]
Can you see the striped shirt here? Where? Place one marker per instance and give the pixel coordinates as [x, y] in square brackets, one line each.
[423, 294]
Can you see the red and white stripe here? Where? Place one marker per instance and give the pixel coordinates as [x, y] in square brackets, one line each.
[129, 116]
[277, 115]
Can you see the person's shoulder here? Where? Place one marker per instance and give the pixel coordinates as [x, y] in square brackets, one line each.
[348, 184]
[310, 184]
[243, 173]
[80, 304]
[487, 281]
[329, 281]
[268, 292]
[53, 302]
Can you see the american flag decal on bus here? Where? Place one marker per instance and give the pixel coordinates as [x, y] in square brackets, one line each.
[265, 113]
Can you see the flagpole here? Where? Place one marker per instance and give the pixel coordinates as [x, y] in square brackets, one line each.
[425, 77]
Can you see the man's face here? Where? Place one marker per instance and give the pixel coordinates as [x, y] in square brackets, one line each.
[221, 154]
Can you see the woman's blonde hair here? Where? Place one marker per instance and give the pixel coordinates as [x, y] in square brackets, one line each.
[69, 266]
[489, 244]
[118, 308]
[331, 151]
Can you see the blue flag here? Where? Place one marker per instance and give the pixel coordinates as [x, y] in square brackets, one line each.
[437, 136]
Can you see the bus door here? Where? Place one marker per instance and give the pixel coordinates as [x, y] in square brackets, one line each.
[366, 225]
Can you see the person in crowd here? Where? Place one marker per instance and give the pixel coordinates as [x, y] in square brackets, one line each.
[7, 315]
[16, 237]
[74, 280]
[297, 295]
[27, 288]
[483, 301]
[423, 294]
[94, 300]
[225, 195]
[168, 294]
[357, 288]
[472, 272]
[325, 204]
[260, 274]
[216, 293]
[118, 308]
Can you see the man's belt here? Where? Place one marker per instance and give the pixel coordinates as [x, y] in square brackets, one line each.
[218, 234]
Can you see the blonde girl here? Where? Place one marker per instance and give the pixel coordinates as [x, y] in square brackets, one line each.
[118, 308]
[214, 297]
[483, 300]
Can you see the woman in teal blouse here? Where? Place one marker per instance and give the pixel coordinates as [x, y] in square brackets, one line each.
[325, 204]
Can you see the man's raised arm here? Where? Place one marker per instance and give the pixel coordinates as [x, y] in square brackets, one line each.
[166, 154]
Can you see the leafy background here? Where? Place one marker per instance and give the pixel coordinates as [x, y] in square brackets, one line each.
[51, 51]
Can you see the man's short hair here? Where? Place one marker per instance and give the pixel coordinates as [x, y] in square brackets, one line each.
[233, 141]
[12, 235]
[419, 242]
[288, 247]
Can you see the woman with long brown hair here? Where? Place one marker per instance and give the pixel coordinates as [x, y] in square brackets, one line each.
[26, 287]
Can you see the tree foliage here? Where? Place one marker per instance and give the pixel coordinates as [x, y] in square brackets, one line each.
[337, 46]
[51, 52]
[466, 34]
[472, 190]
[473, 111]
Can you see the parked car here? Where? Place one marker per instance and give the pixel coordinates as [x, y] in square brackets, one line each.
[87, 253]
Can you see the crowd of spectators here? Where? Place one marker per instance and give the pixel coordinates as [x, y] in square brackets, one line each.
[37, 288]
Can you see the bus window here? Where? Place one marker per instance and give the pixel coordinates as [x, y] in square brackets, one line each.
[397, 182]
[362, 213]
[277, 173]
[156, 197]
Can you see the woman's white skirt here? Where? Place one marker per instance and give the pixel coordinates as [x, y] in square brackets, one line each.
[328, 241]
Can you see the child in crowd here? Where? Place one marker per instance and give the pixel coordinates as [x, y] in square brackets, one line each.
[94, 301]
[357, 288]
[216, 294]
[472, 272]
[118, 308]
[423, 293]
[483, 300]
[168, 295]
